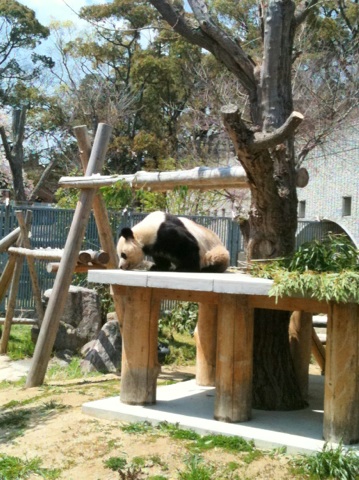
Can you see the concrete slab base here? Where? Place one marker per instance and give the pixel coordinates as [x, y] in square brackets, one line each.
[191, 407]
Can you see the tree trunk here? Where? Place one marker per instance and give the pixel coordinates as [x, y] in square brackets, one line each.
[275, 386]
[266, 152]
[15, 155]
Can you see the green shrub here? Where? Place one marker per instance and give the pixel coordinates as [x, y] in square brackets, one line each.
[334, 253]
[326, 270]
[331, 463]
[182, 319]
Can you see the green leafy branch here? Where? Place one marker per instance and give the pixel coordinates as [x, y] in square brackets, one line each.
[326, 270]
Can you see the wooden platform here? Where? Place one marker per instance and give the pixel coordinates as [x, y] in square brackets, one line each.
[225, 341]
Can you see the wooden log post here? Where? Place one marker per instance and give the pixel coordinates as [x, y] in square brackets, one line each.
[6, 276]
[7, 241]
[206, 343]
[300, 339]
[84, 257]
[341, 393]
[11, 277]
[202, 178]
[53, 267]
[140, 367]
[11, 305]
[234, 369]
[36, 291]
[63, 278]
[101, 217]
[318, 350]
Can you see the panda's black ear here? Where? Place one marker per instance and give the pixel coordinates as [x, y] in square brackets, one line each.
[127, 233]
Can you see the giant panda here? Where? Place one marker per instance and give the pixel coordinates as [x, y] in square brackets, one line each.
[174, 243]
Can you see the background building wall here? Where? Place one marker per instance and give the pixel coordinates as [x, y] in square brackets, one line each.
[334, 175]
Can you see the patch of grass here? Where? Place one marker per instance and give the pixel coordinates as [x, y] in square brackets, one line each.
[139, 462]
[174, 431]
[207, 442]
[53, 405]
[156, 460]
[14, 468]
[228, 443]
[253, 455]
[182, 349]
[70, 372]
[6, 384]
[197, 470]
[138, 428]
[115, 463]
[20, 344]
[22, 403]
[331, 463]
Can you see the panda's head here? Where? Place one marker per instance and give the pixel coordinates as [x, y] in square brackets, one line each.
[129, 250]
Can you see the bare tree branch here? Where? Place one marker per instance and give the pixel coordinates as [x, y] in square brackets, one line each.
[270, 140]
[212, 38]
[303, 10]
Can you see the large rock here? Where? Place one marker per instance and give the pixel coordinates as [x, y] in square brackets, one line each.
[81, 319]
[104, 353]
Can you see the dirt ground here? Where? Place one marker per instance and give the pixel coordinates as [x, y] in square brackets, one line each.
[63, 437]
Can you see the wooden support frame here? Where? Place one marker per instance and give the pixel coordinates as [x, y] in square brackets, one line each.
[140, 367]
[341, 395]
[206, 341]
[11, 277]
[300, 340]
[234, 369]
[63, 278]
[100, 213]
[11, 304]
[31, 264]
[234, 355]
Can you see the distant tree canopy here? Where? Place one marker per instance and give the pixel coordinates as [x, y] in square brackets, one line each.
[19, 31]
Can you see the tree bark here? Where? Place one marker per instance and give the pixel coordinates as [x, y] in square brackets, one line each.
[15, 154]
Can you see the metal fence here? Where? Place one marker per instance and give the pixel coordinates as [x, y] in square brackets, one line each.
[50, 227]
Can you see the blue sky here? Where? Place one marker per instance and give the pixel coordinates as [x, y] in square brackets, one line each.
[48, 10]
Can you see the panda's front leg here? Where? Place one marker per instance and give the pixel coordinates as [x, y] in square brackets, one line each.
[161, 264]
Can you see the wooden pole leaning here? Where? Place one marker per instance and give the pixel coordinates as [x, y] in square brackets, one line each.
[101, 217]
[63, 278]
[11, 304]
[15, 267]
[8, 270]
[7, 241]
[31, 264]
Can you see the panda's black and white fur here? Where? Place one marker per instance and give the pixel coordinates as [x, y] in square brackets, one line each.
[174, 243]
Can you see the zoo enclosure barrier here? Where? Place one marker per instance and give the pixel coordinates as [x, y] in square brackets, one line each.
[50, 226]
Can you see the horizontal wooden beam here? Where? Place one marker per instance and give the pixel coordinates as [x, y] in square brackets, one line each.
[254, 301]
[199, 178]
[53, 267]
[20, 321]
[290, 304]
